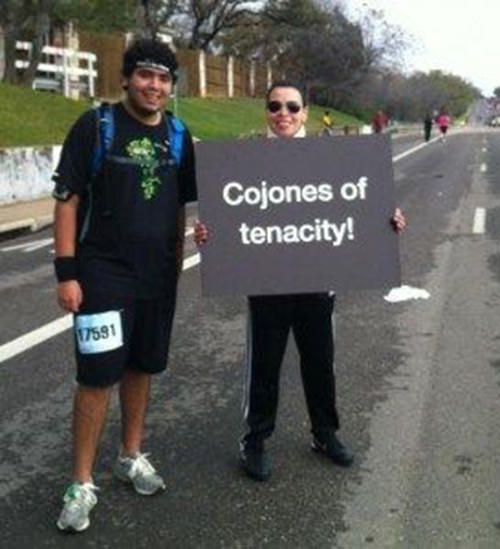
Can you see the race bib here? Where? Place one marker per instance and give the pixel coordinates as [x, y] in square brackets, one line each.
[99, 332]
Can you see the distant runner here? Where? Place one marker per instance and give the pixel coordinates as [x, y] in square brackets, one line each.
[427, 126]
[327, 123]
[444, 122]
[379, 122]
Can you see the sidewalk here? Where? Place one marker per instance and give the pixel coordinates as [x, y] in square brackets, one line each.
[33, 215]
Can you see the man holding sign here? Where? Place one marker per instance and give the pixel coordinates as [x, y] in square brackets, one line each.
[309, 315]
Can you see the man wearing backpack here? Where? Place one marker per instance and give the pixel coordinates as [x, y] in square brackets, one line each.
[125, 173]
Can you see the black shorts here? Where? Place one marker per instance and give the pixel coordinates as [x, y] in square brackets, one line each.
[113, 333]
[443, 129]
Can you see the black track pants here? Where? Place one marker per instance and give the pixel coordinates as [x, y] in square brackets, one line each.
[270, 320]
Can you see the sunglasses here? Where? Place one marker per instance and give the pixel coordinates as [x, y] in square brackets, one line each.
[276, 106]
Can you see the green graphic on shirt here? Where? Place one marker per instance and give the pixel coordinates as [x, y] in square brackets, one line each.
[145, 152]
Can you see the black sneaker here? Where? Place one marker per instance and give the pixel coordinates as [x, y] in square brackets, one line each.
[255, 461]
[335, 449]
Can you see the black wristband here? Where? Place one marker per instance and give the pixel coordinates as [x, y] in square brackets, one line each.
[66, 268]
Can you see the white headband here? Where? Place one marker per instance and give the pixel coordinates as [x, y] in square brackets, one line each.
[147, 63]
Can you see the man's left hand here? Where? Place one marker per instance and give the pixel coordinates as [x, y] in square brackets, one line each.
[398, 221]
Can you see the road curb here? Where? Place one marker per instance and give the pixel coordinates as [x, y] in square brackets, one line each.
[31, 223]
[42, 222]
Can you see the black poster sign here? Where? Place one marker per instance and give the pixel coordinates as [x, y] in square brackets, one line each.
[298, 215]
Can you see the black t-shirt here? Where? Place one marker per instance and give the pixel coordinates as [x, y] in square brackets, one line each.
[127, 226]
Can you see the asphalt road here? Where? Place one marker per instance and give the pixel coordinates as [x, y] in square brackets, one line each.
[418, 385]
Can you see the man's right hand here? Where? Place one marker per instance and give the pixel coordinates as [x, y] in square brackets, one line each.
[69, 295]
[200, 233]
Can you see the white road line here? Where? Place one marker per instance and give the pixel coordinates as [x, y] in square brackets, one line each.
[42, 244]
[12, 248]
[25, 342]
[484, 149]
[29, 246]
[479, 224]
[21, 344]
[37, 244]
[402, 155]
[191, 261]
[483, 168]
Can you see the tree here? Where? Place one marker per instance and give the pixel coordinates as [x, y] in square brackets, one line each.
[412, 97]
[385, 43]
[268, 33]
[155, 13]
[11, 21]
[99, 15]
[329, 57]
[29, 20]
[315, 42]
[202, 22]
[496, 92]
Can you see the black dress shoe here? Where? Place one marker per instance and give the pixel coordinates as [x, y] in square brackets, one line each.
[335, 449]
[255, 461]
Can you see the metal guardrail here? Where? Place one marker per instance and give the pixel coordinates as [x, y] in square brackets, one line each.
[404, 128]
[366, 129]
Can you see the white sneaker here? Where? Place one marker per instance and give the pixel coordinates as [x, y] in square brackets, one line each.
[79, 500]
[140, 473]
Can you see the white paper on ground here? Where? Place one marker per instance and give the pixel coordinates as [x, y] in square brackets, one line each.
[405, 293]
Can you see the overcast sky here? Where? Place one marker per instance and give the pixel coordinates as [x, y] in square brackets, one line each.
[457, 36]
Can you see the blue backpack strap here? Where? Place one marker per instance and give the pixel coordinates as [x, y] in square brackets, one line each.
[105, 132]
[105, 136]
[175, 130]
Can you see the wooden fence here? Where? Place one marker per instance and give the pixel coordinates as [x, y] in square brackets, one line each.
[109, 50]
[200, 75]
